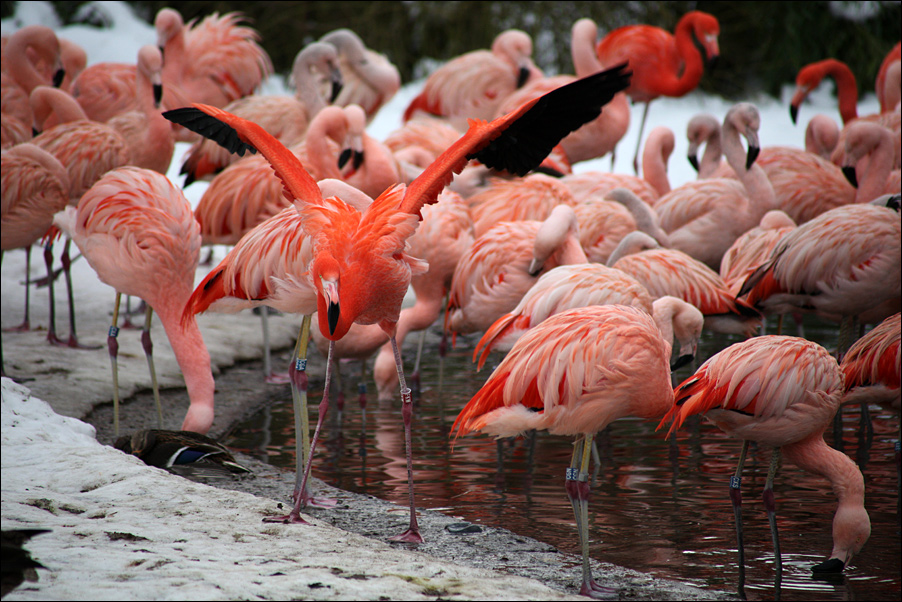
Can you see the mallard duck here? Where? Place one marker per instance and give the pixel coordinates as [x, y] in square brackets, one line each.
[182, 452]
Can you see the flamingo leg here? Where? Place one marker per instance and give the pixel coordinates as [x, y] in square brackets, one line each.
[301, 500]
[577, 484]
[770, 505]
[51, 327]
[25, 326]
[412, 534]
[736, 499]
[361, 399]
[415, 377]
[148, 353]
[113, 347]
[67, 272]
[639, 142]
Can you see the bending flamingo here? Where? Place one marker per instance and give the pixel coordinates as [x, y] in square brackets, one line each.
[871, 367]
[137, 231]
[359, 267]
[783, 392]
[574, 374]
[663, 64]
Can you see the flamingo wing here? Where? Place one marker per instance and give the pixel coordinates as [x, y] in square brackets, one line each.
[520, 140]
[240, 135]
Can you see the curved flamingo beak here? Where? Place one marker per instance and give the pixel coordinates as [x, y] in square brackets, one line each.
[681, 361]
[58, 77]
[333, 307]
[752, 155]
[693, 161]
[337, 84]
[851, 176]
[522, 76]
[793, 113]
[157, 95]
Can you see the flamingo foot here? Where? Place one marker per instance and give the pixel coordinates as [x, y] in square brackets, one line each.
[411, 535]
[591, 589]
[23, 327]
[277, 378]
[73, 343]
[316, 502]
[287, 519]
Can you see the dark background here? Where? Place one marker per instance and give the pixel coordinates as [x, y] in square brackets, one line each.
[763, 44]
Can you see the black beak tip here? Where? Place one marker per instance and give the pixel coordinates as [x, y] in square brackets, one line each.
[522, 76]
[58, 77]
[332, 314]
[681, 361]
[794, 113]
[157, 94]
[358, 159]
[752, 155]
[336, 90]
[849, 172]
[693, 161]
[829, 567]
[344, 157]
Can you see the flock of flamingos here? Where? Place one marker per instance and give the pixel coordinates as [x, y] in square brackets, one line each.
[583, 280]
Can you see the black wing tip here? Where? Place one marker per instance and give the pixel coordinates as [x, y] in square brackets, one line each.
[211, 128]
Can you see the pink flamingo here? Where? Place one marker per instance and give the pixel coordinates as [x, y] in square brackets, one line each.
[558, 377]
[369, 79]
[804, 184]
[215, 61]
[557, 290]
[35, 187]
[495, 273]
[783, 392]
[359, 269]
[146, 132]
[285, 117]
[473, 85]
[871, 367]
[754, 248]
[868, 161]
[704, 217]
[664, 64]
[445, 234]
[87, 150]
[670, 272]
[20, 75]
[821, 136]
[838, 265]
[599, 137]
[137, 231]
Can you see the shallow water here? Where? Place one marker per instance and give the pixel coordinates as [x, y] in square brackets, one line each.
[657, 505]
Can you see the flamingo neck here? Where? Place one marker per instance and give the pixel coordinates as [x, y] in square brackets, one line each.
[846, 88]
[693, 66]
[194, 360]
[875, 170]
[851, 525]
[658, 148]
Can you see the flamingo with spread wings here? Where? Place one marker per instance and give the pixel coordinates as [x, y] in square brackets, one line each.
[359, 267]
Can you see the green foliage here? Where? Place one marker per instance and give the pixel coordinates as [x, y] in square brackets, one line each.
[763, 44]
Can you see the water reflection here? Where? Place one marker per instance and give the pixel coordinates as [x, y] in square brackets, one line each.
[660, 506]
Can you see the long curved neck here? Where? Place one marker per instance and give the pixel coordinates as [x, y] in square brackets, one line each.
[658, 148]
[194, 360]
[757, 185]
[323, 135]
[47, 101]
[583, 38]
[846, 88]
[691, 56]
[851, 525]
[877, 167]
[21, 68]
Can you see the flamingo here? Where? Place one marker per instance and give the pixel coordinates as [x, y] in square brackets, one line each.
[783, 392]
[557, 290]
[821, 136]
[754, 248]
[871, 367]
[664, 64]
[868, 161]
[495, 273]
[35, 186]
[147, 133]
[838, 265]
[574, 374]
[285, 117]
[359, 267]
[474, 84]
[670, 272]
[704, 217]
[20, 75]
[804, 184]
[811, 75]
[370, 79]
[597, 138]
[87, 150]
[138, 232]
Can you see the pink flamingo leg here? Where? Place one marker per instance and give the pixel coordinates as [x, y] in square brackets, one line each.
[412, 534]
[25, 326]
[736, 499]
[301, 500]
